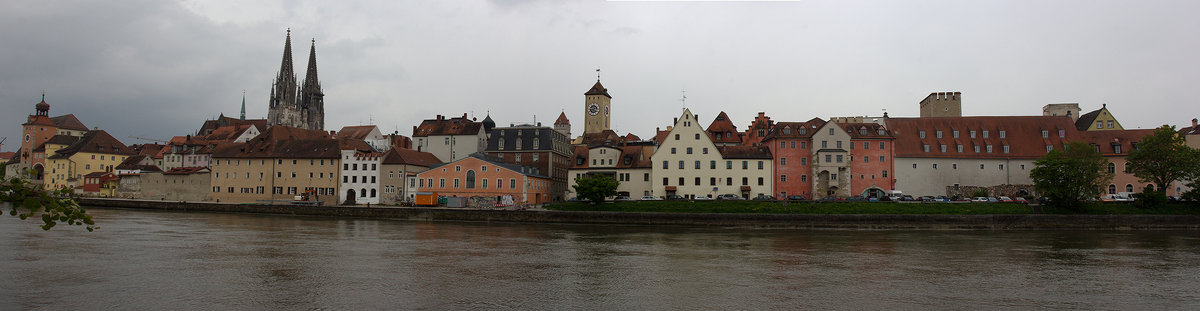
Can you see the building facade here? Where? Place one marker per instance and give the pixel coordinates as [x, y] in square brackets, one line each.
[96, 151]
[398, 175]
[942, 104]
[450, 138]
[596, 105]
[279, 165]
[360, 177]
[544, 148]
[485, 177]
[687, 163]
[629, 165]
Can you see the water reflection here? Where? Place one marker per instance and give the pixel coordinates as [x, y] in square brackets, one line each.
[167, 260]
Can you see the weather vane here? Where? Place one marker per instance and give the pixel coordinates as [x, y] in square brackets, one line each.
[597, 74]
[684, 99]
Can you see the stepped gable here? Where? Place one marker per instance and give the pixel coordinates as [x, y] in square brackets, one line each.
[1023, 136]
[409, 157]
[443, 126]
[745, 152]
[69, 121]
[97, 141]
[1108, 140]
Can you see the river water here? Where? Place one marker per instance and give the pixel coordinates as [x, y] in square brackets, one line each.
[147, 260]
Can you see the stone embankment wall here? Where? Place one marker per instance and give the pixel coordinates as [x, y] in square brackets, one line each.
[801, 221]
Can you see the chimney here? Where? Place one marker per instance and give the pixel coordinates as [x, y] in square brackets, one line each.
[439, 117]
[1194, 122]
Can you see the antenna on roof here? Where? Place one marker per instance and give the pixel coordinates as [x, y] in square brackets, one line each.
[684, 99]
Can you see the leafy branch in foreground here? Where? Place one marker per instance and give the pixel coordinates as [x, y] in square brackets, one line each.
[27, 200]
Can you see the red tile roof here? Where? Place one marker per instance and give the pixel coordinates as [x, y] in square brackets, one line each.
[211, 125]
[1023, 135]
[409, 157]
[866, 130]
[147, 149]
[723, 126]
[355, 132]
[70, 122]
[40, 120]
[186, 170]
[745, 152]
[1107, 140]
[283, 142]
[227, 133]
[631, 157]
[97, 141]
[562, 119]
[451, 126]
[793, 129]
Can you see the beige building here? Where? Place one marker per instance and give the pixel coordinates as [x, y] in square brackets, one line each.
[398, 175]
[942, 104]
[1066, 109]
[95, 151]
[279, 165]
[179, 184]
[831, 162]
[689, 164]
[1098, 120]
[629, 165]
[596, 105]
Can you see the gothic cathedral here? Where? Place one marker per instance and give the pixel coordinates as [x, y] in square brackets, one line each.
[595, 107]
[297, 106]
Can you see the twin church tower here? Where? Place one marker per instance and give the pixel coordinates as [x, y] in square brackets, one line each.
[300, 106]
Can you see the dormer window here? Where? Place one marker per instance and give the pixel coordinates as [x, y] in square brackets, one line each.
[786, 131]
[921, 134]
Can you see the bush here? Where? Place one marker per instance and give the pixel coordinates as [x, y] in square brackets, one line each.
[981, 192]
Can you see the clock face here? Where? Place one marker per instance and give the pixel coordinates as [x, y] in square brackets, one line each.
[605, 110]
[593, 109]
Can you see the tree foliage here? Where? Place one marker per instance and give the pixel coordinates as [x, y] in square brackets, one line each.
[595, 187]
[1162, 158]
[1072, 175]
[26, 200]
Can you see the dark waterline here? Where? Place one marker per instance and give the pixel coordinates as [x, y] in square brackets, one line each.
[145, 260]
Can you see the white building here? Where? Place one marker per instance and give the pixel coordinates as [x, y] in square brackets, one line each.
[689, 164]
[450, 139]
[360, 176]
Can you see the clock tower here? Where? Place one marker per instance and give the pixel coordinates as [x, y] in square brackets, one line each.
[596, 109]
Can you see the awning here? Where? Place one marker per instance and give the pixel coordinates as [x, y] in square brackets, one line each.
[670, 188]
[745, 188]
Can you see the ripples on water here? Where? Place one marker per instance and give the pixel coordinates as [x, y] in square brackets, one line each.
[168, 260]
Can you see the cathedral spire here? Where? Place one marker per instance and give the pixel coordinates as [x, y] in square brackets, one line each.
[311, 83]
[243, 105]
[285, 69]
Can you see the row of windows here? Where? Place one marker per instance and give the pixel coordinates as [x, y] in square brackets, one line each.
[959, 148]
[512, 182]
[954, 166]
[217, 175]
[804, 178]
[276, 190]
[689, 150]
[354, 179]
[354, 166]
[264, 162]
[1112, 189]
[1003, 133]
[711, 165]
[712, 181]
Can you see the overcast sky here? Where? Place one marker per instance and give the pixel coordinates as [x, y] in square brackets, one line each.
[160, 68]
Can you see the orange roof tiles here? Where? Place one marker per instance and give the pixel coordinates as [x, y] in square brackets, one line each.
[1022, 134]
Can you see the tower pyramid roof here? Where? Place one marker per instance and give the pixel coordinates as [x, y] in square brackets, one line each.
[562, 119]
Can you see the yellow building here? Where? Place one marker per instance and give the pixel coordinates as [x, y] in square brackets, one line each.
[69, 159]
[277, 166]
[1099, 120]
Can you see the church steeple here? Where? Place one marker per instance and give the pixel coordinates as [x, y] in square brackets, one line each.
[243, 106]
[311, 82]
[283, 91]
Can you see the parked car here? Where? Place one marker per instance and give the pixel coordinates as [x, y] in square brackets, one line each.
[650, 198]
[992, 200]
[1004, 199]
[1021, 200]
[979, 199]
[796, 197]
[764, 197]
[703, 198]
[831, 199]
[730, 197]
[857, 198]
[674, 197]
[908, 198]
[622, 198]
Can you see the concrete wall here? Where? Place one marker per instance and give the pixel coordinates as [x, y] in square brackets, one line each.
[802, 221]
[924, 179]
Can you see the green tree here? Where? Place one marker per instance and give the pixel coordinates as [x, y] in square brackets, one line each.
[1072, 175]
[25, 199]
[595, 187]
[1162, 158]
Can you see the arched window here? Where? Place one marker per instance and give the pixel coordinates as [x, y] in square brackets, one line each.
[1150, 187]
[1128, 188]
[1112, 168]
[362, 192]
[470, 179]
[1112, 189]
[372, 193]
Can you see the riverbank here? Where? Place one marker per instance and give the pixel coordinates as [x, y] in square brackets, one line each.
[799, 221]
